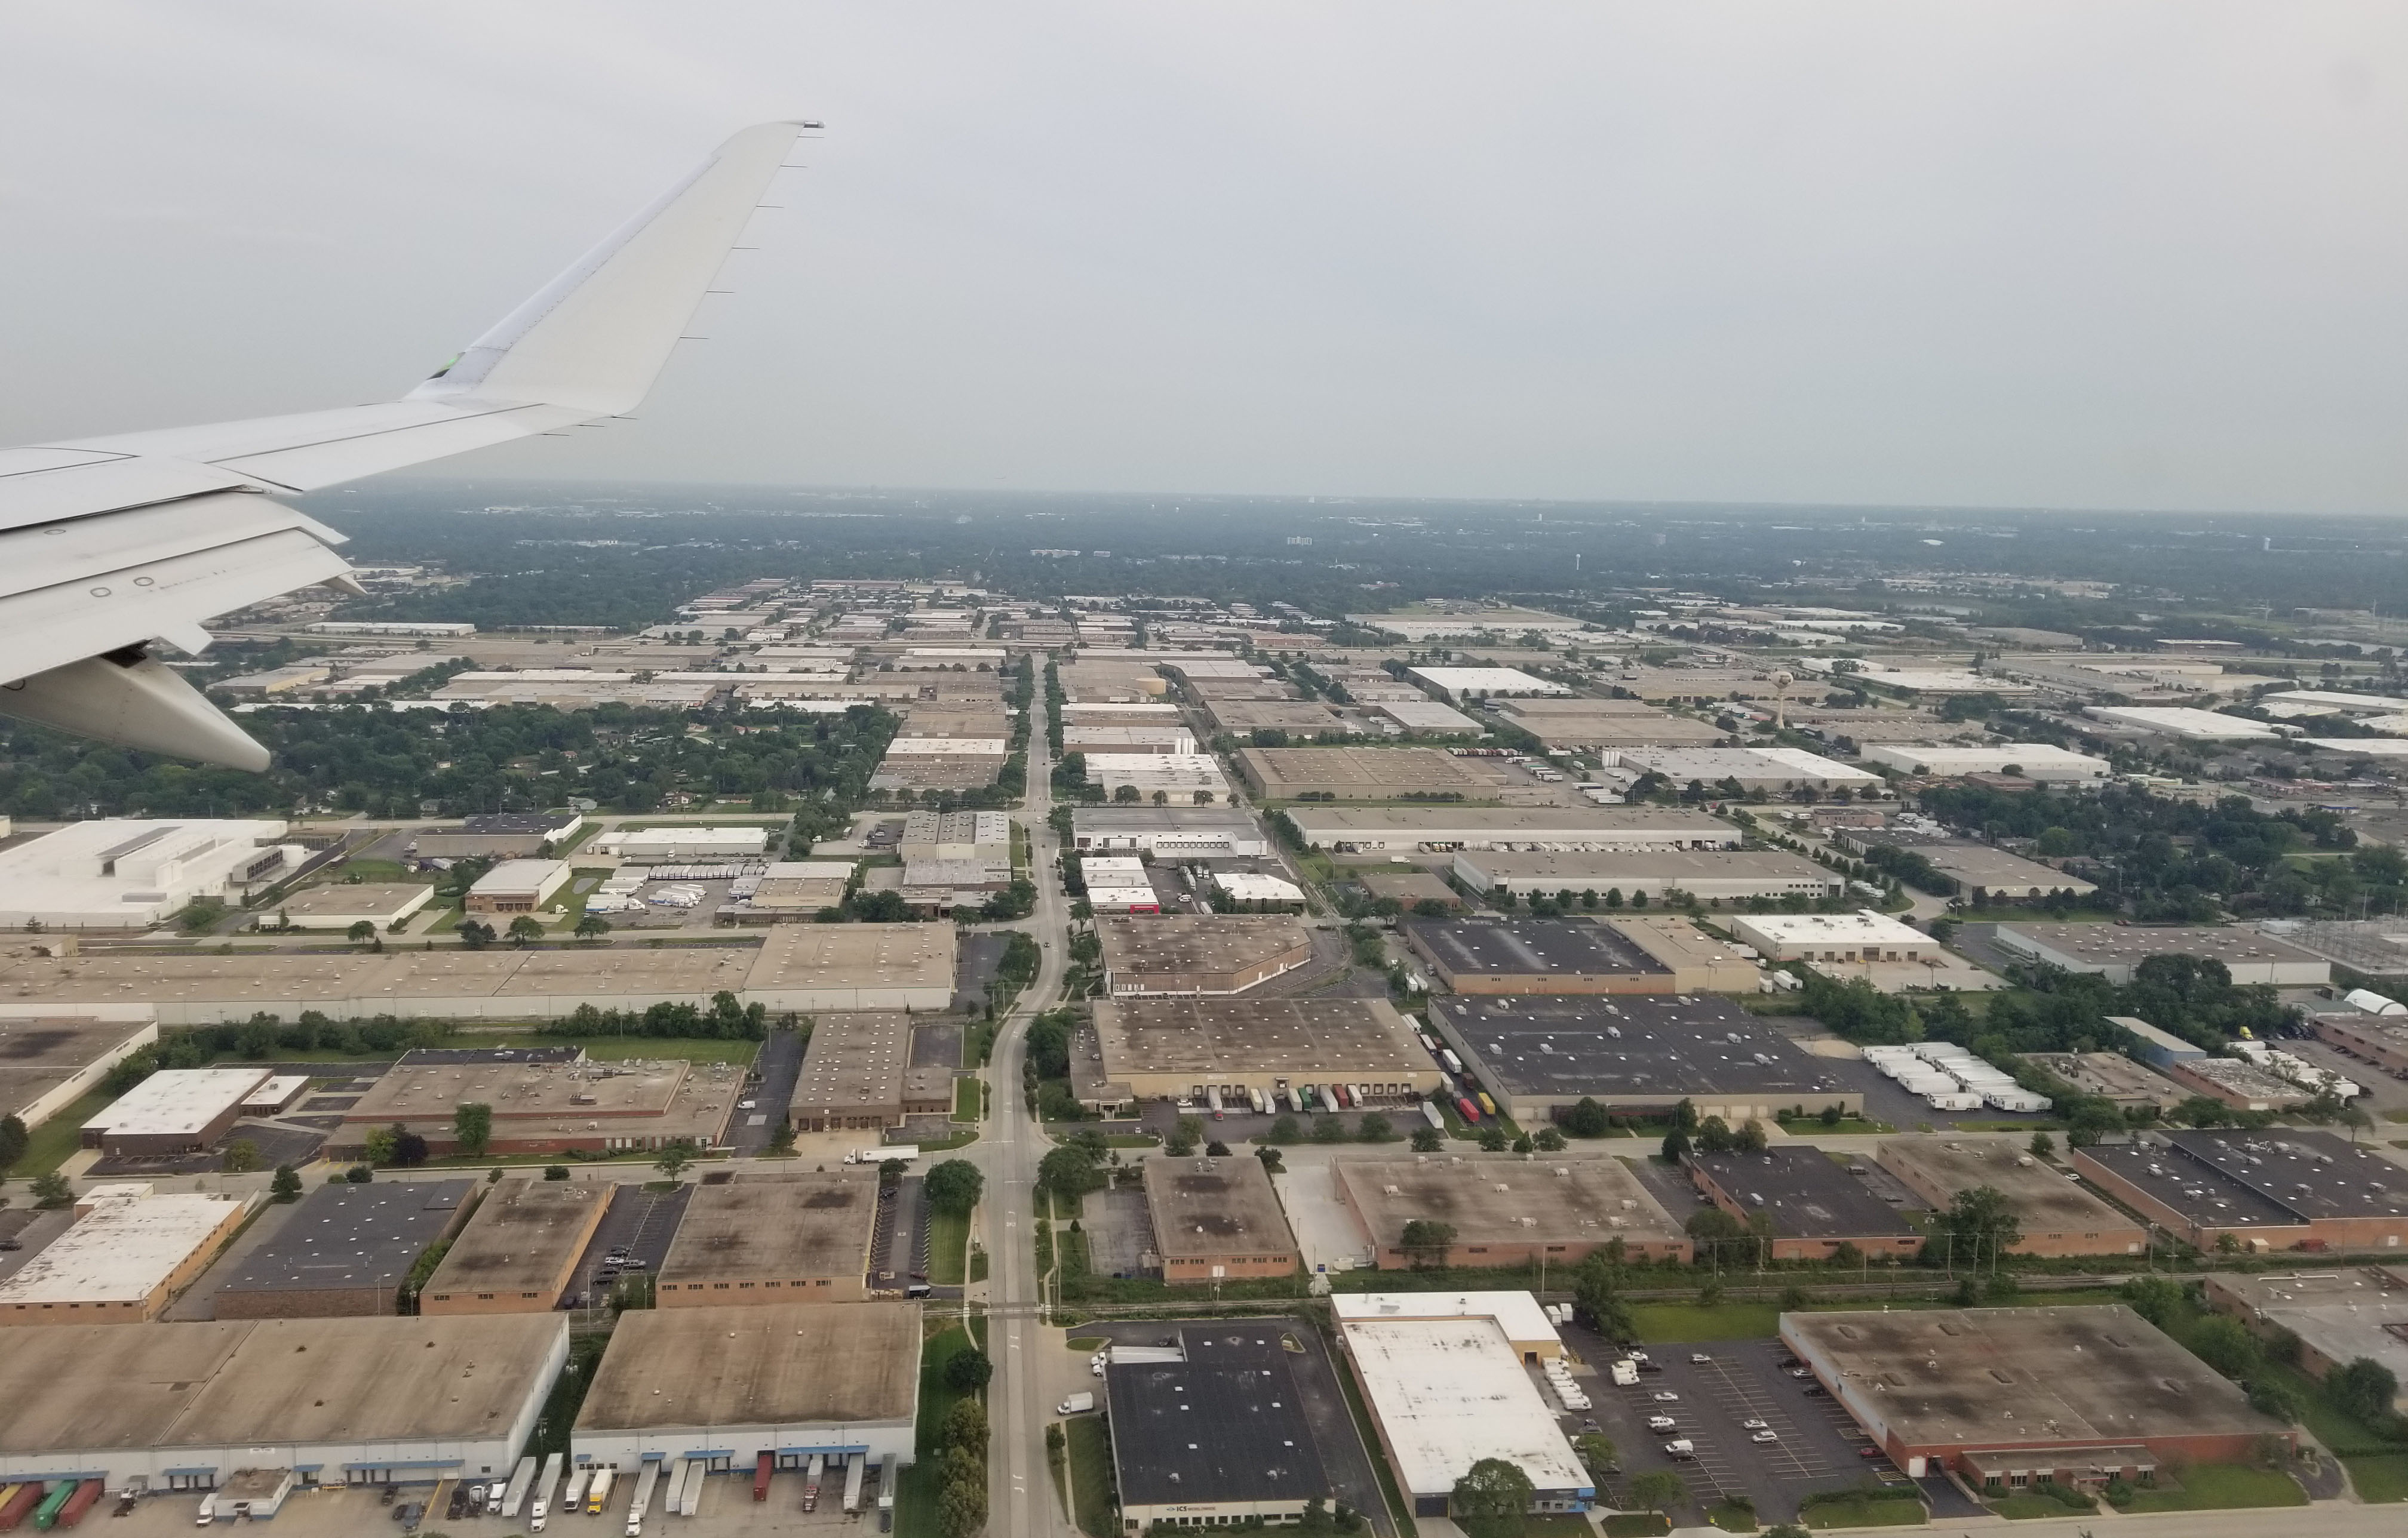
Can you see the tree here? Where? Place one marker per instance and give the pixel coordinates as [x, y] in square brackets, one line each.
[1710, 1228]
[1657, 1490]
[968, 1372]
[1284, 1130]
[2278, 1399]
[2156, 1299]
[358, 1174]
[955, 1185]
[1427, 1140]
[555, 1172]
[1216, 1149]
[525, 928]
[286, 1187]
[1751, 1137]
[361, 931]
[1127, 794]
[51, 1189]
[1981, 1222]
[1587, 1119]
[1676, 1146]
[13, 1140]
[476, 936]
[1329, 1129]
[1715, 1136]
[1492, 1499]
[2042, 1145]
[1425, 1241]
[592, 926]
[1492, 1138]
[472, 1127]
[1549, 1140]
[675, 1160]
[1597, 1455]
[241, 1156]
[2225, 1344]
[1069, 1169]
[1371, 1127]
[2365, 1388]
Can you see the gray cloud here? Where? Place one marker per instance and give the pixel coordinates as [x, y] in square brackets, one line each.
[2022, 253]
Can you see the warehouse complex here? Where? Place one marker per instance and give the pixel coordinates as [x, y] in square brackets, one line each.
[346, 1251]
[519, 1252]
[2057, 1216]
[1864, 936]
[2010, 1397]
[1188, 1048]
[1219, 1438]
[130, 874]
[2113, 950]
[1216, 1220]
[2280, 1188]
[1169, 832]
[1388, 829]
[2337, 1317]
[550, 1107]
[857, 1075]
[1442, 1374]
[1200, 956]
[173, 1111]
[804, 968]
[1801, 1206]
[334, 1402]
[1561, 956]
[1560, 1210]
[723, 1386]
[760, 1240]
[125, 1256]
[1369, 773]
[1635, 1054]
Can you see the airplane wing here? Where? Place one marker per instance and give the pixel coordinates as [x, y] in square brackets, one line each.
[109, 545]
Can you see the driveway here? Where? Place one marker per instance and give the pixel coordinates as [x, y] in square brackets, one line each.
[780, 1062]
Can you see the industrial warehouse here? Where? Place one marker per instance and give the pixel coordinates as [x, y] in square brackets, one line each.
[1198, 1049]
[1636, 1054]
[2055, 1215]
[759, 1240]
[330, 1401]
[2007, 1397]
[1571, 955]
[127, 1253]
[1388, 829]
[1216, 1439]
[1557, 1211]
[1200, 956]
[50, 1061]
[346, 1250]
[2282, 1188]
[550, 1107]
[857, 1076]
[1799, 1206]
[1710, 876]
[2113, 950]
[519, 1252]
[806, 968]
[718, 1389]
[1445, 1379]
[1216, 1220]
[1369, 773]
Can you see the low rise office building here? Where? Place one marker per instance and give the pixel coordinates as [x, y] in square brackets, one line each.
[1635, 1055]
[338, 905]
[1491, 1213]
[2054, 1214]
[1216, 1220]
[1804, 1205]
[517, 886]
[2278, 1189]
[346, 1250]
[518, 1253]
[683, 846]
[760, 1240]
[725, 1388]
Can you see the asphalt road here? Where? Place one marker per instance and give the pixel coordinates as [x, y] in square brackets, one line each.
[781, 1063]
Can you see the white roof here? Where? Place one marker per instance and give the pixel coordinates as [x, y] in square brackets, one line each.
[1713, 763]
[1249, 888]
[719, 836]
[122, 1248]
[808, 870]
[178, 1100]
[2372, 704]
[1425, 714]
[1451, 1391]
[1103, 898]
[1860, 928]
[945, 746]
[1487, 680]
[521, 875]
[277, 1090]
[1096, 866]
[1958, 758]
[2175, 720]
[1518, 1312]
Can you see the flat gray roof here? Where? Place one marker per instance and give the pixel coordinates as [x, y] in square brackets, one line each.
[2123, 945]
[2044, 1196]
[522, 1236]
[1211, 1206]
[1529, 946]
[2072, 1376]
[799, 1225]
[270, 1382]
[1629, 1047]
[348, 1235]
[1306, 1038]
[1560, 1199]
[1802, 1193]
[774, 1364]
[1180, 944]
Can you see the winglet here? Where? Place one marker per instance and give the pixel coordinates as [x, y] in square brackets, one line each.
[595, 337]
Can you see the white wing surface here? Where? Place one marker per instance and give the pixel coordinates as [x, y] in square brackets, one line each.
[110, 544]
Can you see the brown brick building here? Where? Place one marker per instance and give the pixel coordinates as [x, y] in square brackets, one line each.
[773, 1239]
[1217, 1219]
[346, 1250]
[519, 1251]
[2282, 1187]
[2056, 1215]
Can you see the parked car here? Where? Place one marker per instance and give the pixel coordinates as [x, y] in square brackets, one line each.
[1818, 1392]
[1664, 1396]
[1700, 1357]
[1868, 1452]
[1753, 1425]
[1661, 1423]
[1766, 1436]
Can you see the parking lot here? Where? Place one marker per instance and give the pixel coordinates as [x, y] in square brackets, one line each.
[1814, 1445]
[639, 1221]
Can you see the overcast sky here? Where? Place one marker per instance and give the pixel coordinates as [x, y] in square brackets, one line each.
[2027, 253]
